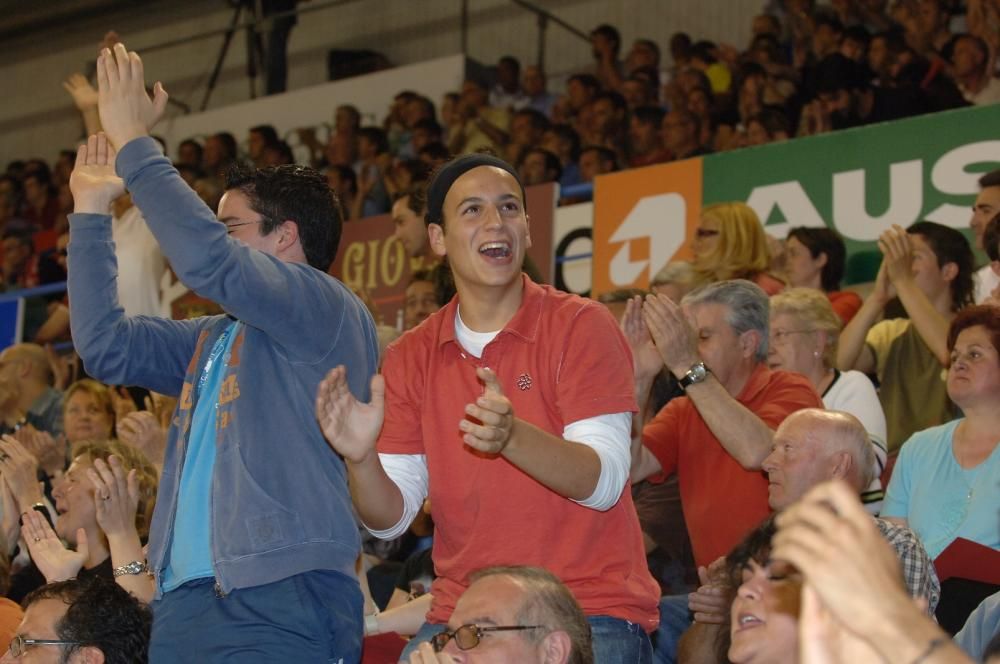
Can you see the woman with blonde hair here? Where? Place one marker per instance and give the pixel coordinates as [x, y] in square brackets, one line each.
[803, 339]
[730, 243]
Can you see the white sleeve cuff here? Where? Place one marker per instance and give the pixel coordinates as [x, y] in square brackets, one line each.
[409, 473]
[610, 436]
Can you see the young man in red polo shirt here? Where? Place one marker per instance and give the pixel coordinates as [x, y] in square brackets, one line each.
[512, 406]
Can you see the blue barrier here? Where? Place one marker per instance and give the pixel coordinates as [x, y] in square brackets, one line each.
[12, 312]
[582, 190]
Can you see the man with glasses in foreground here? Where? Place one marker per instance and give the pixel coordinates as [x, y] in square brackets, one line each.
[512, 614]
[82, 621]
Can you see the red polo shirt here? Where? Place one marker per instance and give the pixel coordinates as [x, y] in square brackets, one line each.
[560, 359]
[721, 500]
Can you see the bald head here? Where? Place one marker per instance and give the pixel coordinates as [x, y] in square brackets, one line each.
[813, 446]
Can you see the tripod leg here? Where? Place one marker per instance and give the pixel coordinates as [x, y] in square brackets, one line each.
[222, 55]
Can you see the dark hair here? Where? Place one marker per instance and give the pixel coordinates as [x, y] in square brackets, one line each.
[416, 198]
[228, 142]
[991, 179]
[353, 112]
[539, 121]
[25, 238]
[991, 238]
[429, 124]
[837, 72]
[284, 151]
[824, 241]
[704, 50]
[773, 119]
[858, 33]
[193, 144]
[510, 61]
[586, 80]
[347, 177]
[649, 115]
[423, 274]
[435, 150]
[616, 99]
[296, 193]
[605, 154]
[651, 45]
[99, 614]
[950, 246]
[269, 133]
[610, 32]
[551, 161]
[568, 134]
[680, 44]
[377, 137]
[987, 315]
[829, 20]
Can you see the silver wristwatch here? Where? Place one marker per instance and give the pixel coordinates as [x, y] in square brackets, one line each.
[697, 373]
[134, 567]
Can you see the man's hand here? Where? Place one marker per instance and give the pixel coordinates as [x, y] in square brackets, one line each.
[127, 112]
[116, 497]
[495, 413]
[351, 427]
[883, 290]
[673, 335]
[83, 93]
[142, 431]
[93, 182]
[897, 251]
[49, 450]
[54, 561]
[644, 353]
[710, 602]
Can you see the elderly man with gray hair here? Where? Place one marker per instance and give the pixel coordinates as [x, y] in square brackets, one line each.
[716, 436]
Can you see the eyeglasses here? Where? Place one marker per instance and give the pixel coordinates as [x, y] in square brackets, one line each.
[702, 233]
[231, 227]
[779, 337]
[468, 637]
[19, 644]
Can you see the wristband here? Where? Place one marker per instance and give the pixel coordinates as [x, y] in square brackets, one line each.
[371, 623]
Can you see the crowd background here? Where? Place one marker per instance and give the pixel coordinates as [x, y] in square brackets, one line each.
[804, 68]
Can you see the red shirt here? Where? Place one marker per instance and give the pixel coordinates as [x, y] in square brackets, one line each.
[845, 303]
[721, 500]
[560, 359]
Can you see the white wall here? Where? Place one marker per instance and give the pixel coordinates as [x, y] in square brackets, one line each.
[38, 119]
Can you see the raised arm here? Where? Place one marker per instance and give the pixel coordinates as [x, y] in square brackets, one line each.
[744, 435]
[852, 351]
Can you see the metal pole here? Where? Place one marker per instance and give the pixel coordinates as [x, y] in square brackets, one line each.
[465, 27]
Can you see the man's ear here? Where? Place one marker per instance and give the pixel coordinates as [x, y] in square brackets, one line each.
[841, 467]
[949, 271]
[288, 234]
[749, 341]
[823, 259]
[556, 647]
[88, 655]
[435, 233]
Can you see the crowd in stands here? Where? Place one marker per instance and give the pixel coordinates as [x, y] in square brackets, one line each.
[747, 463]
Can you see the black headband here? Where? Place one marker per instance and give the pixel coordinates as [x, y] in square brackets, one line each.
[442, 181]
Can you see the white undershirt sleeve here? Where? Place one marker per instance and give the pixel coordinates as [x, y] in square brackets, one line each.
[409, 473]
[610, 436]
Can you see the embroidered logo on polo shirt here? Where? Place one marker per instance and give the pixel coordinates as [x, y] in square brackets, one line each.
[523, 382]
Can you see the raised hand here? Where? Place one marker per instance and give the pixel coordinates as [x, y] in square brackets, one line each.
[897, 251]
[351, 427]
[710, 602]
[20, 469]
[142, 430]
[647, 359]
[83, 93]
[116, 497]
[93, 182]
[54, 561]
[672, 333]
[495, 413]
[127, 112]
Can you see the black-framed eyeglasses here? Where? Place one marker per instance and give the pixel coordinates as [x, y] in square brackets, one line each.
[20, 644]
[468, 637]
[231, 227]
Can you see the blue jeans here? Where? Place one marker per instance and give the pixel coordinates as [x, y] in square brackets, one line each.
[675, 619]
[615, 641]
[310, 617]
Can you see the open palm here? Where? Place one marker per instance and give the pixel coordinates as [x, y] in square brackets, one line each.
[350, 426]
[93, 182]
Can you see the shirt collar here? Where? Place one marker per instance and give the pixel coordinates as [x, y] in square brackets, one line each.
[524, 324]
[758, 380]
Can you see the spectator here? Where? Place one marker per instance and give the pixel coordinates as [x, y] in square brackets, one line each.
[681, 131]
[41, 205]
[220, 154]
[25, 371]
[562, 141]
[991, 242]
[277, 154]
[425, 132]
[970, 59]
[729, 243]
[596, 160]
[373, 163]
[927, 26]
[507, 92]
[606, 46]
[641, 89]
[434, 154]
[408, 218]
[547, 622]
[259, 139]
[804, 331]
[610, 122]
[20, 262]
[675, 280]
[538, 167]
[140, 261]
[769, 126]
[580, 91]
[421, 299]
[533, 84]
[986, 207]
[815, 259]
[493, 295]
[88, 412]
[276, 233]
[644, 53]
[644, 139]
[478, 124]
[344, 182]
[715, 437]
[929, 267]
[944, 484]
[527, 127]
[89, 620]
[190, 153]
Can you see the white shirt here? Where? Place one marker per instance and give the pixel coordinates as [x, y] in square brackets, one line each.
[986, 281]
[140, 264]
